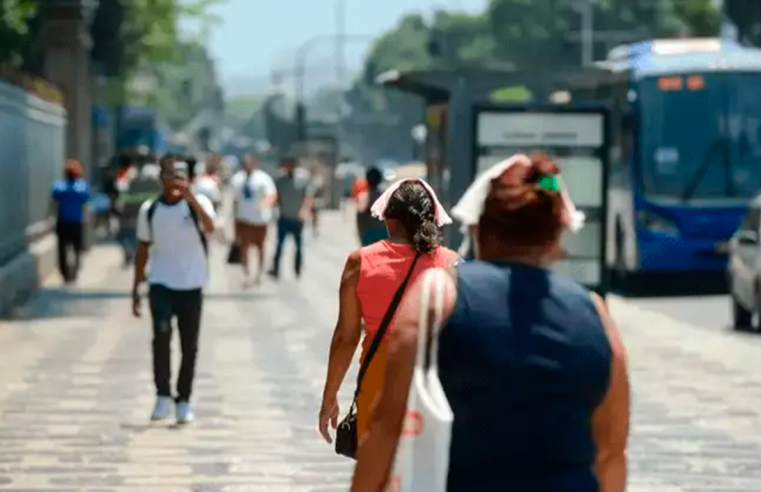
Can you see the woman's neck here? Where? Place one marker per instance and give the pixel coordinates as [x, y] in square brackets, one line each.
[397, 238]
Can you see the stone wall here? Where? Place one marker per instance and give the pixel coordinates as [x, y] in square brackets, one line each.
[32, 153]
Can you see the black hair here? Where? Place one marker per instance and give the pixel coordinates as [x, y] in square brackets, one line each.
[166, 160]
[374, 177]
[415, 210]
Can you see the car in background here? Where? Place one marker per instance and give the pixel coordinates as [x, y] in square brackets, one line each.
[744, 268]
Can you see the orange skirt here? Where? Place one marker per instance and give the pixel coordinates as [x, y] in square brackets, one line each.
[371, 388]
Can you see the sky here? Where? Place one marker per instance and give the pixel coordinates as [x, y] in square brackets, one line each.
[254, 39]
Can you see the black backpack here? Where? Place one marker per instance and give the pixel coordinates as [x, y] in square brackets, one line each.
[193, 215]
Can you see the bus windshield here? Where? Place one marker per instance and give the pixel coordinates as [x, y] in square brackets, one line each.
[700, 136]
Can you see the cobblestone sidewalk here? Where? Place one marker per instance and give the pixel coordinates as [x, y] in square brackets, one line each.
[76, 390]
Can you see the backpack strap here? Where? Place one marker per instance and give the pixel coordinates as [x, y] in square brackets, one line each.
[201, 234]
[193, 215]
[151, 212]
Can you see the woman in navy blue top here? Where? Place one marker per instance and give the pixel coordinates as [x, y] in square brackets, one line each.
[531, 363]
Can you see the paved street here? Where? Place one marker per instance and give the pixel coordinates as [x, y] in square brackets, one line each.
[76, 389]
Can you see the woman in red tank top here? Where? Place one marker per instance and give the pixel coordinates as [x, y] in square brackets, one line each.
[371, 277]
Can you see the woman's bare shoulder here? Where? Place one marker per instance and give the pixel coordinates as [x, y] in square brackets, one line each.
[448, 256]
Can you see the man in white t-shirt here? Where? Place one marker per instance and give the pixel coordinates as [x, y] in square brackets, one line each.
[172, 231]
[255, 195]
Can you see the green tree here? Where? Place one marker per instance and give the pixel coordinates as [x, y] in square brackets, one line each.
[538, 37]
[15, 16]
[746, 15]
[150, 32]
[185, 85]
[403, 48]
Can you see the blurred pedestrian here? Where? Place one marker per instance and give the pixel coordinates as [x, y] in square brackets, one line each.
[144, 184]
[254, 195]
[530, 362]
[70, 195]
[369, 228]
[294, 201]
[207, 183]
[172, 230]
[319, 201]
[373, 280]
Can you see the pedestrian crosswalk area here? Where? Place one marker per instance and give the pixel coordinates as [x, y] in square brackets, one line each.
[76, 390]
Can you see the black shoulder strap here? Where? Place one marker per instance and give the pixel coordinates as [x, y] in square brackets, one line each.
[193, 215]
[384, 326]
[151, 213]
[201, 234]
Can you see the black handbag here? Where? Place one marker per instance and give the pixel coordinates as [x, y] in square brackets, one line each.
[233, 256]
[346, 432]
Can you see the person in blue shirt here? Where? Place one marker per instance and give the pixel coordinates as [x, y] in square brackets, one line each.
[70, 195]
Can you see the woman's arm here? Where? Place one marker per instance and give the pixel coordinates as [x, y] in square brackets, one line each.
[346, 337]
[376, 453]
[610, 422]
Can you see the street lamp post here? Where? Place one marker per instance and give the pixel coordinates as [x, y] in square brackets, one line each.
[300, 72]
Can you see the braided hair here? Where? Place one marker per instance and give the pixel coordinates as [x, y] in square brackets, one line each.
[415, 209]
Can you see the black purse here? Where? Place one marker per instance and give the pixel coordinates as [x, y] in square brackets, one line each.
[347, 440]
[233, 256]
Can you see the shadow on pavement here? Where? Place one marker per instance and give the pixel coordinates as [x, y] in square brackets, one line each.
[57, 302]
[671, 285]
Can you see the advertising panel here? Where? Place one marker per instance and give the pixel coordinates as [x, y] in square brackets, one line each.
[577, 141]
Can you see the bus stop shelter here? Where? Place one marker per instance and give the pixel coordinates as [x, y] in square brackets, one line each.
[468, 132]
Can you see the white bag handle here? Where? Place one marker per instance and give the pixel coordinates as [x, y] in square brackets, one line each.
[432, 280]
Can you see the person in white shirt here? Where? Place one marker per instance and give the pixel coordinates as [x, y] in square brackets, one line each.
[207, 184]
[172, 233]
[255, 195]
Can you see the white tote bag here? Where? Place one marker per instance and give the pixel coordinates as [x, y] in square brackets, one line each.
[422, 457]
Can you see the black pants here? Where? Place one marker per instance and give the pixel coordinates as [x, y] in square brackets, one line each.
[186, 306]
[288, 227]
[69, 239]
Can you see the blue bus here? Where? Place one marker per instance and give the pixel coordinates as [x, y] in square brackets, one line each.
[686, 150]
[140, 132]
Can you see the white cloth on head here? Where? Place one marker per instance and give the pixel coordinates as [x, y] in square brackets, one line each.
[470, 207]
[378, 210]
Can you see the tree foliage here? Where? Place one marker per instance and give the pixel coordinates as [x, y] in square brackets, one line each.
[746, 14]
[150, 32]
[185, 86]
[15, 16]
[528, 35]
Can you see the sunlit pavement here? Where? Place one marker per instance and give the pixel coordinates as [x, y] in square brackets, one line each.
[76, 389]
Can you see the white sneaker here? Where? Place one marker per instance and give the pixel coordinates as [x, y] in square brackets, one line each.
[184, 413]
[163, 408]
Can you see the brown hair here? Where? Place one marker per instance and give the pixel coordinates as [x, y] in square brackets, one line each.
[518, 213]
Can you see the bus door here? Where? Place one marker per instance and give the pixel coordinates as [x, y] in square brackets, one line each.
[744, 118]
[577, 137]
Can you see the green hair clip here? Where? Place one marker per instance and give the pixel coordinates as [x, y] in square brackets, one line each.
[550, 183]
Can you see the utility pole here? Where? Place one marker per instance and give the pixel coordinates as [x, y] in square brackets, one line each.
[340, 71]
[587, 32]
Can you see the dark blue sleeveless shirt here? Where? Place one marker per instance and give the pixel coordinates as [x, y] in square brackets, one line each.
[524, 361]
